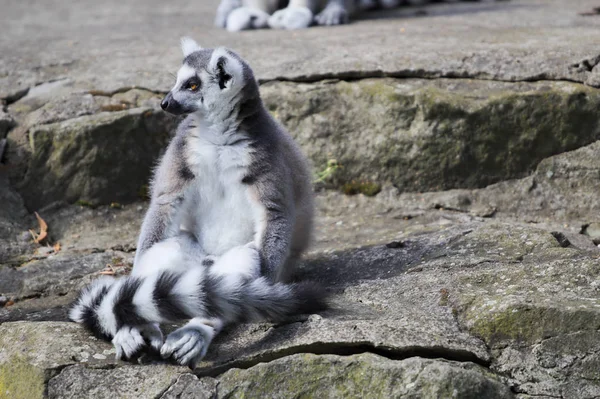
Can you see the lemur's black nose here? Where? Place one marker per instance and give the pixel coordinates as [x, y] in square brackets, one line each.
[164, 104]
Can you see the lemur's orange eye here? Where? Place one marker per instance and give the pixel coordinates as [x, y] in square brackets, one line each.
[192, 84]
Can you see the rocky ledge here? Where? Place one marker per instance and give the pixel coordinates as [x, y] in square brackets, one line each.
[457, 182]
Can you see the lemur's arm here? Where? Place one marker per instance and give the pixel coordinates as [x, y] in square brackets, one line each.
[170, 180]
[276, 241]
[274, 234]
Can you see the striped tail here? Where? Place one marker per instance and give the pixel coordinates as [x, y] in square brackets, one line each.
[108, 303]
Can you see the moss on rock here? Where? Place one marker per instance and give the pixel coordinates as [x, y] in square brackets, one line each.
[361, 376]
[20, 380]
[95, 159]
[433, 135]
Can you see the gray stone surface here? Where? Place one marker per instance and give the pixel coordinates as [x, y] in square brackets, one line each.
[483, 290]
[515, 40]
[14, 222]
[361, 376]
[188, 386]
[6, 123]
[89, 124]
[424, 135]
[99, 159]
[413, 133]
[125, 382]
[457, 282]
[562, 193]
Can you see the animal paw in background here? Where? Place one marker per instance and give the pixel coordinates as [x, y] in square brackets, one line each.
[245, 18]
[291, 18]
[333, 14]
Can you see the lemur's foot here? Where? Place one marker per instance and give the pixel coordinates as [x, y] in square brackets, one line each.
[291, 18]
[223, 11]
[333, 14]
[188, 344]
[129, 341]
[245, 18]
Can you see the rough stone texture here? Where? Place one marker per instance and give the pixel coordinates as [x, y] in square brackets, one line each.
[188, 386]
[361, 376]
[14, 238]
[417, 134]
[125, 382]
[32, 353]
[561, 193]
[99, 159]
[6, 123]
[435, 135]
[481, 291]
[515, 40]
[85, 228]
[43, 287]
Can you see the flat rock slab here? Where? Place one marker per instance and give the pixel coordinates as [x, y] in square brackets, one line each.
[124, 44]
[489, 297]
[361, 376]
[128, 382]
[417, 134]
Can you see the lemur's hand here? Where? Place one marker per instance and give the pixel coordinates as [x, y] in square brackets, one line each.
[188, 344]
[129, 340]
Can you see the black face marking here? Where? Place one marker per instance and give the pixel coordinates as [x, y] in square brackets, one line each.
[124, 309]
[193, 84]
[249, 179]
[166, 300]
[186, 173]
[224, 77]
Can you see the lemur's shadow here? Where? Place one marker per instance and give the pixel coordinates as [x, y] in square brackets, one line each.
[439, 9]
[336, 271]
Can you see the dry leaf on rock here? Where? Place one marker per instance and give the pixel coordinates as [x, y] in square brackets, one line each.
[43, 230]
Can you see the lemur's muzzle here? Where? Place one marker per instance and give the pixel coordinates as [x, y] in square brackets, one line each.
[170, 105]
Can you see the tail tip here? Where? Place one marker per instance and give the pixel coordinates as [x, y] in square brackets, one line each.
[312, 297]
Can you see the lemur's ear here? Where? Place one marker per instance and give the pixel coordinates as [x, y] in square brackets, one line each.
[189, 45]
[228, 68]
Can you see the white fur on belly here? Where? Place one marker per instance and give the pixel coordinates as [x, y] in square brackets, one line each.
[221, 212]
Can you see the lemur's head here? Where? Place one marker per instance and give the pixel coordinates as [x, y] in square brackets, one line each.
[210, 81]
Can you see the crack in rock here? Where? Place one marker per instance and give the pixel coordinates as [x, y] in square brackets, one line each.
[348, 350]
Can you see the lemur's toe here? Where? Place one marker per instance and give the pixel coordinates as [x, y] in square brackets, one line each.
[188, 345]
[128, 342]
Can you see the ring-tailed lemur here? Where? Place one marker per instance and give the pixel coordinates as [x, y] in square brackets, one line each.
[231, 210]
[236, 15]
